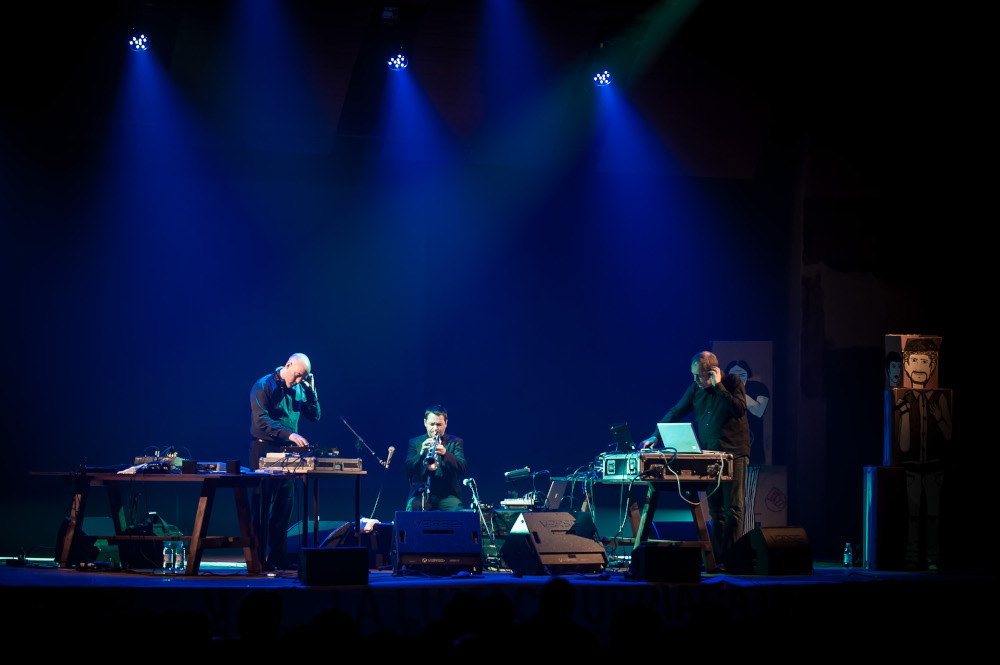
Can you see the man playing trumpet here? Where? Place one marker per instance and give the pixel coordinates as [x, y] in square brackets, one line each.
[435, 465]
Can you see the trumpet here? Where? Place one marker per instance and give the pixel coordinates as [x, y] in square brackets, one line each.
[431, 459]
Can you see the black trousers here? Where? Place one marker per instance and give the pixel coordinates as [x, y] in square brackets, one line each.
[726, 508]
[271, 507]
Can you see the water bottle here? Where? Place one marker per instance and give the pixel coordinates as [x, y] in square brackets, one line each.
[180, 558]
[848, 556]
[168, 558]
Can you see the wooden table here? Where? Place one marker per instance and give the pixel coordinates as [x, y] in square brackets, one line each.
[199, 539]
[641, 517]
[315, 476]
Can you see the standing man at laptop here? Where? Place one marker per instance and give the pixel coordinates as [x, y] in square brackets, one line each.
[719, 404]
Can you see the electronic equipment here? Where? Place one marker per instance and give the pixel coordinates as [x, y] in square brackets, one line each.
[679, 437]
[666, 465]
[155, 464]
[517, 474]
[313, 451]
[167, 460]
[518, 504]
[292, 463]
[622, 436]
[619, 466]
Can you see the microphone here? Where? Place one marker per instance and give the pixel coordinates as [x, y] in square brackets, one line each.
[469, 482]
[388, 457]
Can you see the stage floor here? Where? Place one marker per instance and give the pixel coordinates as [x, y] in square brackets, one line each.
[604, 607]
[226, 571]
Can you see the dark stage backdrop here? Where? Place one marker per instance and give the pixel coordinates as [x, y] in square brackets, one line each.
[145, 322]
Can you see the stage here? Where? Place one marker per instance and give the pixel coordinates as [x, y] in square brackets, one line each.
[847, 607]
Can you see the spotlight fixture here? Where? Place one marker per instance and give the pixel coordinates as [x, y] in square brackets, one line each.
[398, 62]
[602, 79]
[138, 43]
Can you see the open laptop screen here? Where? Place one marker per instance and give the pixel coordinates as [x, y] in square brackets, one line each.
[679, 436]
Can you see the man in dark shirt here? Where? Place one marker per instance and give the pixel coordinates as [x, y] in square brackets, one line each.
[719, 404]
[436, 485]
[276, 402]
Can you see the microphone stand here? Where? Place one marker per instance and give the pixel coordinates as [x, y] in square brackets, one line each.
[363, 443]
[471, 484]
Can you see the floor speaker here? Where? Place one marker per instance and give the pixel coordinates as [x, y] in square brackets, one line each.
[653, 563]
[542, 543]
[378, 540]
[438, 542]
[333, 566]
[327, 529]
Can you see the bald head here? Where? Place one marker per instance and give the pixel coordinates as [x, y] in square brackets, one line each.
[296, 369]
[705, 361]
[301, 359]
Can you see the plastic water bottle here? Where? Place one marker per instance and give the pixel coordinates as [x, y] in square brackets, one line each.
[168, 558]
[848, 556]
[180, 558]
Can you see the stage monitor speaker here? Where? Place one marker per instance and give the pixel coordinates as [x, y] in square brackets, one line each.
[438, 542]
[541, 543]
[663, 563]
[328, 529]
[378, 541]
[333, 566]
[771, 550]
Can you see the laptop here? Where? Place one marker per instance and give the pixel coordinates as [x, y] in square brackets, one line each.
[679, 436]
[622, 436]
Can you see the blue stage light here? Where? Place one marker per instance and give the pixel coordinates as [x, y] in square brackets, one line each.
[398, 62]
[138, 43]
[602, 79]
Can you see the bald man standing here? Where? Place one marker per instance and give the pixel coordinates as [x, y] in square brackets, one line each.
[276, 403]
[719, 404]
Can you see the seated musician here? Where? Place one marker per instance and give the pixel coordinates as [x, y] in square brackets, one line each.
[435, 465]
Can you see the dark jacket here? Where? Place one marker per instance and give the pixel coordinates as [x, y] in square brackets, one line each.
[721, 414]
[447, 479]
[274, 413]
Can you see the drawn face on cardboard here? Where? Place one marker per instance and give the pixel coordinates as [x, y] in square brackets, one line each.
[919, 367]
[895, 373]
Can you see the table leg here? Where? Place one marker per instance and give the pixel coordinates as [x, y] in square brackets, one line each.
[248, 537]
[645, 521]
[315, 482]
[77, 510]
[357, 509]
[304, 521]
[635, 517]
[114, 489]
[201, 520]
[701, 525]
